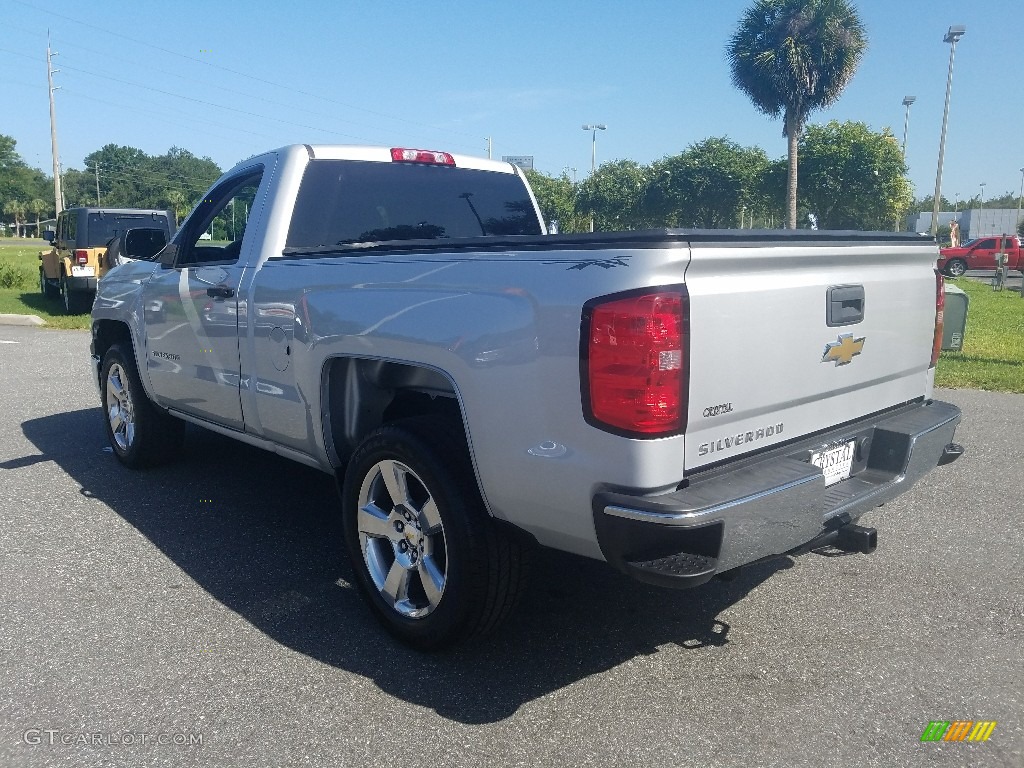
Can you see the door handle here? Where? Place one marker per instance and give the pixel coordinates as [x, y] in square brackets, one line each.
[220, 292]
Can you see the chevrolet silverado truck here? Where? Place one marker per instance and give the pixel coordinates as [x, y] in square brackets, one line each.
[678, 403]
[982, 254]
[78, 256]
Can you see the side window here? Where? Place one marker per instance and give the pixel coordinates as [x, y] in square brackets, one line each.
[988, 244]
[214, 231]
[70, 222]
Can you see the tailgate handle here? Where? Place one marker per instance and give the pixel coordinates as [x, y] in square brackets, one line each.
[844, 305]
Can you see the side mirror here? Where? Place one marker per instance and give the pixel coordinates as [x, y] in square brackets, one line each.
[168, 256]
[48, 235]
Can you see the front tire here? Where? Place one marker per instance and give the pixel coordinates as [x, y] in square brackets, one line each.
[956, 268]
[434, 567]
[140, 434]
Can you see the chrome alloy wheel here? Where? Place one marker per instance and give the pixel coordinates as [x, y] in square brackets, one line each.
[402, 539]
[956, 268]
[120, 411]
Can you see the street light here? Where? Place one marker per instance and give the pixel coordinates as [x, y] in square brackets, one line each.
[981, 210]
[1020, 199]
[593, 154]
[952, 37]
[907, 101]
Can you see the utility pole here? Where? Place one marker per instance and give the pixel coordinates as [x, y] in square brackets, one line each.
[490, 146]
[58, 197]
[98, 185]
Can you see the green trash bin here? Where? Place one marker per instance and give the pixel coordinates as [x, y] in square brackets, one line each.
[954, 318]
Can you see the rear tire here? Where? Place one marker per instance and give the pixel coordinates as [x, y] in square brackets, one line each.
[431, 563]
[48, 289]
[75, 302]
[140, 433]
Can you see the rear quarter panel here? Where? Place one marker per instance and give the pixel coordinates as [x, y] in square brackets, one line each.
[504, 328]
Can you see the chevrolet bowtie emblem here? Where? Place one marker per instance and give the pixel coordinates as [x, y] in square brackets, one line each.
[843, 350]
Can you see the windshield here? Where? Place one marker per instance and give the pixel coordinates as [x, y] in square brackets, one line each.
[104, 226]
[345, 201]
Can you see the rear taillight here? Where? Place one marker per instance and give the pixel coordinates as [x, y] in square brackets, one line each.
[940, 307]
[82, 257]
[634, 363]
[421, 156]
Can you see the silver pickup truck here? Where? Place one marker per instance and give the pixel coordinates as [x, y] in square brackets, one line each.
[677, 403]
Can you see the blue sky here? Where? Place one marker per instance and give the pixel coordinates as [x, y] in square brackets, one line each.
[228, 80]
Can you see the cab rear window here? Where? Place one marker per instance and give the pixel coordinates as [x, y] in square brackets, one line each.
[349, 201]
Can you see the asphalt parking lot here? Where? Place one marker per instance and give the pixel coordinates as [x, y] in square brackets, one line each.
[210, 601]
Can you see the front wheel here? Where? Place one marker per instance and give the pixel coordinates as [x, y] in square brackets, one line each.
[956, 268]
[432, 564]
[140, 434]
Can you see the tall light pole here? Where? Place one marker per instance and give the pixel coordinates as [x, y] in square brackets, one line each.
[981, 210]
[1020, 199]
[594, 128]
[952, 37]
[907, 101]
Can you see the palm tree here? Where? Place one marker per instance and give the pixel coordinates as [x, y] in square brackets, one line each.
[178, 204]
[37, 208]
[16, 208]
[792, 57]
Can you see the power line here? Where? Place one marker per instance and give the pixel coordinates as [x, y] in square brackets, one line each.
[195, 100]
[290, 88]
[186, 118]
[235, 93]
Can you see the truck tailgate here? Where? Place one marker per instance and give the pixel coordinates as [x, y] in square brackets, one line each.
[765, 364]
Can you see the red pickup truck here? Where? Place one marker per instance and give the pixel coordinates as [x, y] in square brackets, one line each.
[981, 254]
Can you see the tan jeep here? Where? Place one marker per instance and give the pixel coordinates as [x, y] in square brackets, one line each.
[78, 256]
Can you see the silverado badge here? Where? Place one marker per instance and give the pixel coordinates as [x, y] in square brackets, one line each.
[843, 350]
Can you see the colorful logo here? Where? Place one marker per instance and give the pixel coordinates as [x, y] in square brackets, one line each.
[958, 730]
[843, 350]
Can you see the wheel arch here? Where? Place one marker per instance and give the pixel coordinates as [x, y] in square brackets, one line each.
[361, 394]
[107, 333]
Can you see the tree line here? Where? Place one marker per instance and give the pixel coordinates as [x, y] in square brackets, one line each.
[112, 177]
[851, 177]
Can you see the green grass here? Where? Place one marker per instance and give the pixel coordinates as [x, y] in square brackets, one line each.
[993, 353]
[23, 255]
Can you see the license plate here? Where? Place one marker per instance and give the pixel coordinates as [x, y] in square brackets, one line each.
[835, 463]
[83, 271]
